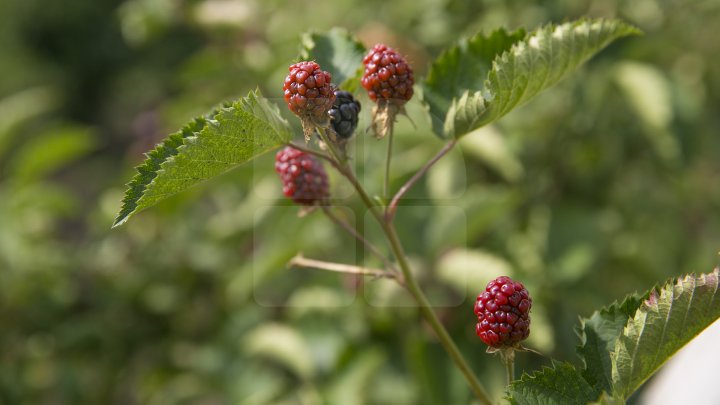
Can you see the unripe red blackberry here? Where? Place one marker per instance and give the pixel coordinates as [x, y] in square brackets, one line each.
[344, 114]
[308, 91]
[503, 313]
[303, 176]
[388, 77]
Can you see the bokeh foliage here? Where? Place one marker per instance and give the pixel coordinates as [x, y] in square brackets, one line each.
[603, 186]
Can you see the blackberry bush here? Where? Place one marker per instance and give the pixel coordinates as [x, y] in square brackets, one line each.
[468, 86]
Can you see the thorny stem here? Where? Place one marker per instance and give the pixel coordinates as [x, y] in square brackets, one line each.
[410, 282]
[351, 230]
[301, 261]
[392, 207]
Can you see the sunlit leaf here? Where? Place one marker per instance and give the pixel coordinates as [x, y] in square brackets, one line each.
[666, 321]
[232, 135]
[562, 385]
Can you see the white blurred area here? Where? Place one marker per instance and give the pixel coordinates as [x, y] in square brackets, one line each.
[692, 376]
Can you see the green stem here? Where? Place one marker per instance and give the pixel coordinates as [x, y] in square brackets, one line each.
[425, 308]
[346, 171]
[410, 282]
[392, 206]
[509, 361]
[388, 159]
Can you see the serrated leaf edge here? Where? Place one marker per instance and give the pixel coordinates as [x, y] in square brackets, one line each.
[649, 304]
[166, 151]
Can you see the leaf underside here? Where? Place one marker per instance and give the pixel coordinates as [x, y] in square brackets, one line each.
[664, 323]
[520, 70]
[598, 335]
[463, 68]
[625, 344]
[231, 135]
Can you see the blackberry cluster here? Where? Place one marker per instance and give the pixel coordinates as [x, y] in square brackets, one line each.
[387, 75]
[503, 313]
[344, 114]
[303, 176]
[308, 91]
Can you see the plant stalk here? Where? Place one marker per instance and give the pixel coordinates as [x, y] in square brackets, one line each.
[425, 308]
[301, 261]
[353, 232]
[409, 280]
[388, 159]
[392, 207]
[508, 358]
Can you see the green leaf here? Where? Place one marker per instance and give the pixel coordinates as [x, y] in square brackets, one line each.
[462, 68]
[337, 52]
[539, 61]
[233, 134]
[666, 321]
[561, 384]
[598, 335]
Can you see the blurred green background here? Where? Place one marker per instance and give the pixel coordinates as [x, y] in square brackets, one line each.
[604, 186]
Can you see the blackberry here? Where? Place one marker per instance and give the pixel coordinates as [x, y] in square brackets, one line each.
[503, 313]
[344, 114]
[388, 77]
[308, 91]
[303, 176]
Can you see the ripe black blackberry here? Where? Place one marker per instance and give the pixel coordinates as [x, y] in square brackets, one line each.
[388, 77]
[308, 91]
[503, 313]
[303, 176]
[344, 114]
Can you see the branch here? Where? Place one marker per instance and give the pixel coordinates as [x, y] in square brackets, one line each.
[300, 261]
[392, 207]
[311, 151]
[352, 231]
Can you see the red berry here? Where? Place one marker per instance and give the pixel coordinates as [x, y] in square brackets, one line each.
[308, 91]
[503, 313]
[303, 176]
[387, 75]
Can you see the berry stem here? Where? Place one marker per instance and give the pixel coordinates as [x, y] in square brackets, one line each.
[392, 207]
[508, 358]
[326, 137]
[346, 171]
[352, 231]
[388, 159]
[301, 261]
[311, 151]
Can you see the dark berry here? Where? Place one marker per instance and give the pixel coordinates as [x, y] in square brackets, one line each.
[344, 114]
[387, 75]
[303, 176]
[308, 91]
[503, 313]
